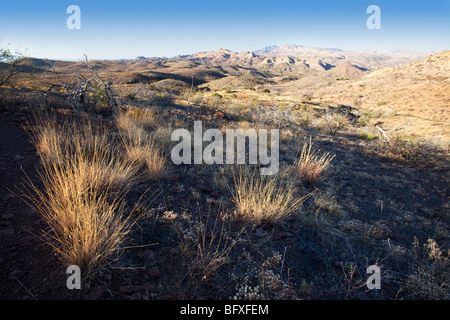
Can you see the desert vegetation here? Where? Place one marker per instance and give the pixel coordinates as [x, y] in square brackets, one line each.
[355, 187]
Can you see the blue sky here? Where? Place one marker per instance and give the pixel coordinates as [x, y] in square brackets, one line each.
[127, 29]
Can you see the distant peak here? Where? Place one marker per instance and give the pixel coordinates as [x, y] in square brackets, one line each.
[291, 46]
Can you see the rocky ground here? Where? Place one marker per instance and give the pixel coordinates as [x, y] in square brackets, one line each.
[370, 209]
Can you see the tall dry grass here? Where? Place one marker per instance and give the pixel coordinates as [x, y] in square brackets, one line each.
[86, 226]
[261, 199]
[84, 144]
[143, 150]
[84, 179]
[143, 117]
[310, 166]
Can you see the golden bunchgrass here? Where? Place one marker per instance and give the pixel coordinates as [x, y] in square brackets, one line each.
[310, 166]
[261, 199]
[84, 179]
[143, 117]
[142, 149]
[87, 228]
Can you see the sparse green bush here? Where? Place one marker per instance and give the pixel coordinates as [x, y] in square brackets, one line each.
[334, 122]
[367, 136]
[9, 61]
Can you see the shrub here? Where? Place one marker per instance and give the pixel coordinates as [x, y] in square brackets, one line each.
[368, 136]
[334, 122]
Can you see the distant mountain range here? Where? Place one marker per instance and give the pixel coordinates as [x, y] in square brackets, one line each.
[268, 63]
[369, 58]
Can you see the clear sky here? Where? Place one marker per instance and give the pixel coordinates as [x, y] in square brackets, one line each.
[127, 29]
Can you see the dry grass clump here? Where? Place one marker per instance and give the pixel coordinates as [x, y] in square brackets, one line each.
[142, 149]
[429, 279]
[143, 117]
[310, 166]
[83, 145]
[87, 228]
[263, 198]
[81, 167]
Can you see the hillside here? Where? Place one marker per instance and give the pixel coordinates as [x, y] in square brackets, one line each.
[417, 93]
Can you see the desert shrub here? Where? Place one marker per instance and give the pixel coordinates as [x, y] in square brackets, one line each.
[417, 149]
[327, 203]
[207, 244]
[9, 62]
[368, 136]
[303, 119]
[334, 122]
[265, 282]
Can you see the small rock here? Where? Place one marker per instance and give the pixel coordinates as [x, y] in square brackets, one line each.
[215, 194]
[203, 188]
[18, 158]
[16, 273]
[219, 115]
